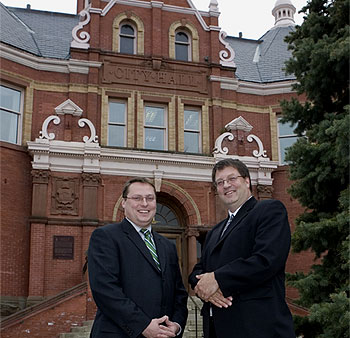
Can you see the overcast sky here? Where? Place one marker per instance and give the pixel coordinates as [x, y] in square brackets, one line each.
[251, 17]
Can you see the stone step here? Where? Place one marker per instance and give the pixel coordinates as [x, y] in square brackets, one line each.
[189, 332]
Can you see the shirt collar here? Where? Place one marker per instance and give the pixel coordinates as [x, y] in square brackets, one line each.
[137, 228]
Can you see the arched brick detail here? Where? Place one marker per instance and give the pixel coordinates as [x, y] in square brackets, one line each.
[140, 31]
[194, 36]
[183, 197]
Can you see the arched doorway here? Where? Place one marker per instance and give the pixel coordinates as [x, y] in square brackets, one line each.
[169, 222]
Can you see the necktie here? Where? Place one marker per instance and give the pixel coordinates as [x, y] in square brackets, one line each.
[227, 224]
[151, 247]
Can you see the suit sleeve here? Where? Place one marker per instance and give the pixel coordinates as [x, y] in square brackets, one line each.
[180, 308]
[199, 267]
[104, 277]
[269, 252]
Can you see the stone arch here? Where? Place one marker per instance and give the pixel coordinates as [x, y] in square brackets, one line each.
[183, 197]
[194, 37]
[137, 22]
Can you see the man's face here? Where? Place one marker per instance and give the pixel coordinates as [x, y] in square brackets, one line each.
[140, 205]
[233, 192]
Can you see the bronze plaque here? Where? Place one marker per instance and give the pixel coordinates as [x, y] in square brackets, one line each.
[63, 247]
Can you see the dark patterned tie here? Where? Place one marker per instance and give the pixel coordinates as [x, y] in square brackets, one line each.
[227, 224]
[151, 247]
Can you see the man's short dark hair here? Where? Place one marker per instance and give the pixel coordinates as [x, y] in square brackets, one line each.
[137, 180]
[230, 162]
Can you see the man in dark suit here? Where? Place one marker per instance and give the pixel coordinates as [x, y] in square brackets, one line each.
[134, 273]
[241, 272]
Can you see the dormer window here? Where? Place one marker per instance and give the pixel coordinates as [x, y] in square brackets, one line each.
[182, 46]
[127, 38]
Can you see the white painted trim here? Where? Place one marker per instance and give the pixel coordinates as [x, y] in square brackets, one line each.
[79, 157]
[46, 64]
[262, 89]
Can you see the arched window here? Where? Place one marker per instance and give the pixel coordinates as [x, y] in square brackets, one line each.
[182, 46]
[127, 38]
[165, 216]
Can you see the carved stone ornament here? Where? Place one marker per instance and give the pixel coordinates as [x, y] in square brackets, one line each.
[91, 179]
[93, 137]
[264, 191]
[218, 143]
[190, 232]
[40, 176]
[43, 133]
[226, 56]
[239, 123]
[65, 196]
[68, 107]
[82, 40]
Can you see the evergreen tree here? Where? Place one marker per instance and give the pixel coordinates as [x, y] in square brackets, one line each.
[319, 164]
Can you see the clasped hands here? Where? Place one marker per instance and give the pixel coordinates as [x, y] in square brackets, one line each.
[208, 289]
[161, 328]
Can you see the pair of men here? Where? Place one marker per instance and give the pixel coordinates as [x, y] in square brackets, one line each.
[136, 282]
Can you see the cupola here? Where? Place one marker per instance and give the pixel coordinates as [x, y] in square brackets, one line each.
[283, 12]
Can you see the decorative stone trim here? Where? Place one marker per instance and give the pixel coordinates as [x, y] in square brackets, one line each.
[194, 37]
[226, 56]
[82, 40]
[68, 107]
[91, 179]
[43, 133]
[40, 176]
[93, 137]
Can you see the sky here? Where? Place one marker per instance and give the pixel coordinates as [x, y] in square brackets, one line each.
[251, 17]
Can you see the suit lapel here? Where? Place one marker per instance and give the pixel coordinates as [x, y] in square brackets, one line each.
[242, 212]
[132, 234]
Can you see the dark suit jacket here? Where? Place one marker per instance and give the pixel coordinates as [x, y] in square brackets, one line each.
[249, 263]
[127, 287]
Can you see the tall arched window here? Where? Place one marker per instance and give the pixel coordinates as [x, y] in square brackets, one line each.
[182, 46]
[127, 38]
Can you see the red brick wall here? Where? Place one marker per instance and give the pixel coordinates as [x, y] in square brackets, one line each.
[50, 322]
[15, 210]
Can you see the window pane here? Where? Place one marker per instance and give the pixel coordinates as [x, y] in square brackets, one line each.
[285, 143]
[127, 29]
[116, 136]
[181, 37]
[154, 139]
[126, 45]
[10, 98]
[154, 116]
[165, 216]
[285, 129]
[8, 126]
[191, 142]
[181, 52]
[117, 112]
[191, 120]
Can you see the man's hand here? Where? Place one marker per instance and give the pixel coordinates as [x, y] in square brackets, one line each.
[155, 329]
[219, 300]
[175, 327]
[206, 286]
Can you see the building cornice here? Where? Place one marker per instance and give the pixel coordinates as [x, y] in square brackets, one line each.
[47, 64]
[253, 88]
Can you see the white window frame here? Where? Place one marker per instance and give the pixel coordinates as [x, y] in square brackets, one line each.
[165, 127]
[118, 124]
[128, 23]
[19, 113]
[189, 44]
[279, 141]
[199, 131]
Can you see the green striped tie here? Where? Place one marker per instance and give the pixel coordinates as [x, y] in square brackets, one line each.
[150, 246]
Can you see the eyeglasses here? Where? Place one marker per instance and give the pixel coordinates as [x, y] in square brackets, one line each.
[229, 180]
[138, 199]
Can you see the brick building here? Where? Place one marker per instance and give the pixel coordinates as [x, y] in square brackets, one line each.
[129, 88]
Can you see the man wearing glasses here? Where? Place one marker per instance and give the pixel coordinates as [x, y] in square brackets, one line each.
[241, 273]
[134, 273]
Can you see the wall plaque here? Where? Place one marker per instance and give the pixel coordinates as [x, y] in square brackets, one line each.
[63, 247]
